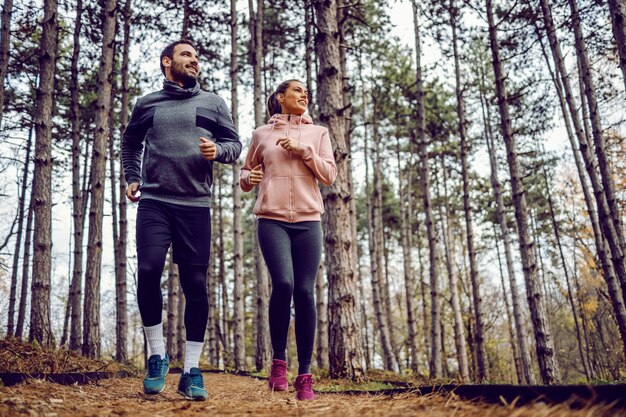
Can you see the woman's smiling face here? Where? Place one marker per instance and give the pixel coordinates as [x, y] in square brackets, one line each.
[295, 99]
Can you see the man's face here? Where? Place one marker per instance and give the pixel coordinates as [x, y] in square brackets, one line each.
[183, 68]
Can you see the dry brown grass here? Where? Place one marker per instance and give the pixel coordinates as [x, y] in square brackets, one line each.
[23, 357]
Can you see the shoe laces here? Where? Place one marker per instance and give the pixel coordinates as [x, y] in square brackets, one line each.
[304, 383]
[196, 380]
[278, 369]
[155, 367]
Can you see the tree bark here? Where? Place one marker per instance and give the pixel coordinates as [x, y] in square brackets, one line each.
[5, 46]
[40, 329]
[91, 322]
[18, 237]
[345, 354]
[618, 20]
[543, 339]
[435, 362]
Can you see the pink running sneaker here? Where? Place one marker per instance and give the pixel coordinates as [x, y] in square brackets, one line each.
[278, 376]
[304, 387]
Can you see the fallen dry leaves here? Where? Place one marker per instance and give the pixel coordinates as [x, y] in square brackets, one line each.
[231, 395]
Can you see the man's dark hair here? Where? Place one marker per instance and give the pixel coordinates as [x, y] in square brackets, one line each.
[169, 51]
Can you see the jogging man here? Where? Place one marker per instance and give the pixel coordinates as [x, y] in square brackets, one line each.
[168, 149]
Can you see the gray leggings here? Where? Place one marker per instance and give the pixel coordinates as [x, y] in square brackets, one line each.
[292, 252]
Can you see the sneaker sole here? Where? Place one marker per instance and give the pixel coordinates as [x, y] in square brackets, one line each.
[153, 392]
[191, 398]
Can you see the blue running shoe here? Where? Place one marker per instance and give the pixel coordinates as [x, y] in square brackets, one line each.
[154, 381]
[191, 385]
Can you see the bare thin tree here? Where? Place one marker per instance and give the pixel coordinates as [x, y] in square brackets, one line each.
[239, 286]
[40, 329]
[435, 360]
[263, 344]
[91, 322]
[18, 237]
[79, 196]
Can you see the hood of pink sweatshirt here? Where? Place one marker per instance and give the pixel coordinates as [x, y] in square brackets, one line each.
[289, 190]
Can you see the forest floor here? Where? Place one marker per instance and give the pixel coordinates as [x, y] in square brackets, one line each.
[232, 395]
[229, 395]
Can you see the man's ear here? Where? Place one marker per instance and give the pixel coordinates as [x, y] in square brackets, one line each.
[166, 61]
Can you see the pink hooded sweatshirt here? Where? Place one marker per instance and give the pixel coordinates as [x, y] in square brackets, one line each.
[289, 190]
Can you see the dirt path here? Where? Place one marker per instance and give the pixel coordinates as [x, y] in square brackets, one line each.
[231, 395]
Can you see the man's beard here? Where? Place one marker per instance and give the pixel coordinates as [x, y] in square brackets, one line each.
[179, 73]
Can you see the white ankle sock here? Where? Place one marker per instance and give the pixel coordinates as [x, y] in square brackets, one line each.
[154, 337]
[193, 350]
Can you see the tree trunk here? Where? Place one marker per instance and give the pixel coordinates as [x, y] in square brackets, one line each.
[227, 323]
[435, 364]
[91, 322]
[613, 222]
[79, 196]
[321, 339]
[239, 286]
[212, 343]
[173, 299]
[604, 232]
[18, 238]
[345, 354]
[184, 33]
[543, 340]
[570, 298]
[5, 46]
[455, 302]
[618, 19]
[263, 352]
[518, 316]
[40, 329]
[21, 314]
[469, 227]
[407, 244]
[180, 316]
[375, 223]
[309, 28]
[120, 266]
[512, 336]
[121, 321]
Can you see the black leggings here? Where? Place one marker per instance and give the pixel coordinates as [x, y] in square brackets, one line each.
[292, 252]
[151, 260]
